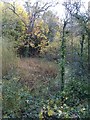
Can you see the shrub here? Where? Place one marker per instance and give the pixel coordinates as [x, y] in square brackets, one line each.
[52, 51]
[71, 103]
[18, 102]
[14, 98]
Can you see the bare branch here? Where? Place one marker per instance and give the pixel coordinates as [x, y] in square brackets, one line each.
[13, 9]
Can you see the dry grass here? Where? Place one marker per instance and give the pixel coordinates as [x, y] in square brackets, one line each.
[35, 72]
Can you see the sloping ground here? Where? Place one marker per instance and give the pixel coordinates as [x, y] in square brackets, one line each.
[35, 72]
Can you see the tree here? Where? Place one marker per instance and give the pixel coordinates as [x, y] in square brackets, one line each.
[53, 25]
[34, 12]
[63, 48]
[88, 32]
[83, 19]
[12, 26]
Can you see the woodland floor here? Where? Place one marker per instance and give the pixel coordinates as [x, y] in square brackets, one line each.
[36, 72]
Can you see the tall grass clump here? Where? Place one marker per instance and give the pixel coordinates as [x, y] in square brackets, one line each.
[9, 59]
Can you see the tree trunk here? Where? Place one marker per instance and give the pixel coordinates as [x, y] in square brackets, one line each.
[82, 45]
[63, 58]
[88, 52]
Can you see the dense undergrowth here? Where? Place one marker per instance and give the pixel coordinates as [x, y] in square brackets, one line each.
[19, 101]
